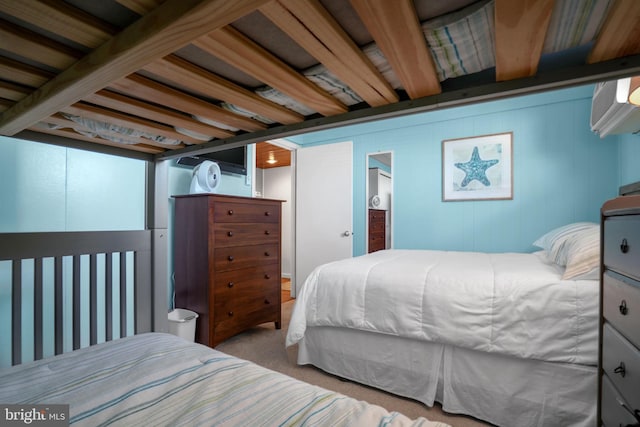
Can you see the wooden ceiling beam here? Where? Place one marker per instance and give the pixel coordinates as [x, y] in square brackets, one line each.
[200, 80]
[35, 47]
[167, 28]
[620, 33]
[406, 50]
[96, 113]
[60, 18]
[126, 104]
[23, 74]
[310, 25]
[12, 91]
[149, 90]
[242, 53]
[141, 7]
[521, 28]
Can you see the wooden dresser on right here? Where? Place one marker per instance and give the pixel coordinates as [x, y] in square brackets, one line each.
[619, 380]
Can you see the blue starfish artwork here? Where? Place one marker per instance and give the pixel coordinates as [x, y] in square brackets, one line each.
[476, 168]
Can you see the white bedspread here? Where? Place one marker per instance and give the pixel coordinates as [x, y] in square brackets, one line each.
[510, 303]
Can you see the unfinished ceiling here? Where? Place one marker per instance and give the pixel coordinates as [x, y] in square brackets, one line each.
[184, 76]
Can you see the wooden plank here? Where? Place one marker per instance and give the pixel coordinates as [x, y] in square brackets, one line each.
[203, 81]
[76, 303]
[141, 7]
[162, 31]
[521, 27]
[108, 296]
[58, 306]
[93, 112]
[93, 299]
[66, 133]
[23, 74]
[60, 18]
[242, 53]
[123, 294]
[13, 91]
[620, 33]
[38, 297]
[126, 104]
[35, 47]
[310, 25]
[406, 50]
[149, 90]
[16, 312]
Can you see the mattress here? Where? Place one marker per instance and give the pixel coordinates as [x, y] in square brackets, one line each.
[508, 303]
[160, 379]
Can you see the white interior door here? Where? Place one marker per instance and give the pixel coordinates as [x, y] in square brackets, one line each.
[324, 206]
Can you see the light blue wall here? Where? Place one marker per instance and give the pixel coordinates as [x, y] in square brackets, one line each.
[49, 188]
[629, 159]
[563, 172]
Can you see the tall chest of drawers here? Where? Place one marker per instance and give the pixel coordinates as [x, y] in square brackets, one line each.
[377, 229]
[227, 263]
[619, 382]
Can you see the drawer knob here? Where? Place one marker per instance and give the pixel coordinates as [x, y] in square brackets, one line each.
[623, 307]
[230, 284]
[267, 232]
[267, 213]
[230, 212]
[266, 253]
[266, 301]
[266, 276]
[230, 257]
[624, 246]
[230, 313]
[621, 370]
[230, 234]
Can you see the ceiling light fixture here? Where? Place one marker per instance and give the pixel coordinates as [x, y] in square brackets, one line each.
[634, 91]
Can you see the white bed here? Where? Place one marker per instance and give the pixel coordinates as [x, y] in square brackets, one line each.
[506, 338]
[159, 379]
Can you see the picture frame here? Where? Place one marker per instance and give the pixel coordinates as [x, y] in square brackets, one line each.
[478, 168]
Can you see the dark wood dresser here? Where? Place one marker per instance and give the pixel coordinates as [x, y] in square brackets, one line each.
[619, 381]
[377, 229]
[227, 263]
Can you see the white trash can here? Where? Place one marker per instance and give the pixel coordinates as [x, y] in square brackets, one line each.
[183, 323]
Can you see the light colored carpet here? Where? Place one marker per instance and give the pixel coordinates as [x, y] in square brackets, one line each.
[264, 345]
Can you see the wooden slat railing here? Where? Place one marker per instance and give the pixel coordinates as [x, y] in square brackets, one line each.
[19, 247]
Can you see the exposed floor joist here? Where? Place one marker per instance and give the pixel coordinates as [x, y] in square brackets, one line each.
[165, 29]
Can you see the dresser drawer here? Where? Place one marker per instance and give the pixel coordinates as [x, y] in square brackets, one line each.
[376, 227]
[622, 244]
[613, 413]
[621, 305]
[244, 212]
[235, 288]
[236, 257]
[621, 363]
[239, 234]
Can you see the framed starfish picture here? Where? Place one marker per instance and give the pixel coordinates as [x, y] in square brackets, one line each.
[478, 168]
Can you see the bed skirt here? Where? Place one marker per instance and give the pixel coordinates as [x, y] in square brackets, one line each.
[503, 390]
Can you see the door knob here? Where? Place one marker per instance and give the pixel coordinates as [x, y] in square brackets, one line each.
[346, 233]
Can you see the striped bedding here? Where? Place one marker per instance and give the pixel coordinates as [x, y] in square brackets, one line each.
[159, 379]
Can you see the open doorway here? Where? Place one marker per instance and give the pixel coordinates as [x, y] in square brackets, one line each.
[273, 179]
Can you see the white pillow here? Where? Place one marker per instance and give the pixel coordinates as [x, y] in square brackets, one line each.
[553, 241]
[583, 255]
